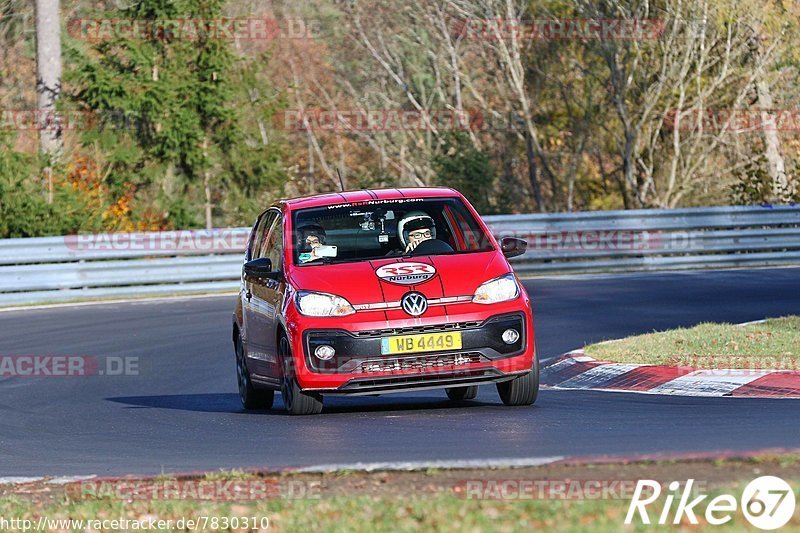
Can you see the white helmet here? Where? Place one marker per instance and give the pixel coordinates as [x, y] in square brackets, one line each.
[412, 221]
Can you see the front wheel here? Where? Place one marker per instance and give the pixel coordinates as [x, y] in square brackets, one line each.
[522, 390]
[251, 397]
[295, 400]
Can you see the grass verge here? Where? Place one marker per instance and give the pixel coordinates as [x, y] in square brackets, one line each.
[412, 501]
[774, 342]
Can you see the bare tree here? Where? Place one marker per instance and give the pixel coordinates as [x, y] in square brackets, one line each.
[594, 123]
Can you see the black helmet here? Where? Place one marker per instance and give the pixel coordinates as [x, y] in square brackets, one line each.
[304, 232]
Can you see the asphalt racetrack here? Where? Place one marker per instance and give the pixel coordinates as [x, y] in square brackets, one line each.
[181, 412]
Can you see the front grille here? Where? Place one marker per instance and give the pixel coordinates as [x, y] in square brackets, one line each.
[433, 328]
[418, 363]
[415, 381]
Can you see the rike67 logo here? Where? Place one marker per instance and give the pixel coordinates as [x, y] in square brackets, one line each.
[767, 503]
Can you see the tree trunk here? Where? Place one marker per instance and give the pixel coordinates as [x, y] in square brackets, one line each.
[48, 75]
[48, 84]
[628, 165]
[207, 186]
[532, 177]
[781, 192]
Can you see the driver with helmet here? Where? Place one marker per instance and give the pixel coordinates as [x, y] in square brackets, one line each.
[417, 234]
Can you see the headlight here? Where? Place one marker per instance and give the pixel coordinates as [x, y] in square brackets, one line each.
[321, 304]
[497, 290]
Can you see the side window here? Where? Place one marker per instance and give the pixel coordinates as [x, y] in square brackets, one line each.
[255, 236]
[263, 233]
[456, 229]
[275, 251]
[272, 245]
[471, 235]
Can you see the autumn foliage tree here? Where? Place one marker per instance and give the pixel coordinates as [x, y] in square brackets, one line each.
[170, 112]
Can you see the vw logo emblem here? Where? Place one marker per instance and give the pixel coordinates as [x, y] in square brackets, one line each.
[414, 303]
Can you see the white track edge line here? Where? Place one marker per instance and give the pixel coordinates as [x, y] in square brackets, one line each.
[143, 300]
[675, 394]
[422, 465]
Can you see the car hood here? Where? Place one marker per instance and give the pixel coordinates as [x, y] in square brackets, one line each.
[359, 283]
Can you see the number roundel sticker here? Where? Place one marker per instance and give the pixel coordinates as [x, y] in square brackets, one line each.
[406, 273]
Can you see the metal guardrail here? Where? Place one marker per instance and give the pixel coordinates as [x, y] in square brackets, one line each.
[657, 239]
[57, 269]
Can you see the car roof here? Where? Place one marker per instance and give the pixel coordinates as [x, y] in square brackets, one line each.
[365, 195]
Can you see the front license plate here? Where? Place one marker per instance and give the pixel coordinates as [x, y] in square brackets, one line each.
[428, 342]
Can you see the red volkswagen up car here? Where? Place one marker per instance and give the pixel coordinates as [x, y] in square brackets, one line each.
[379, 291]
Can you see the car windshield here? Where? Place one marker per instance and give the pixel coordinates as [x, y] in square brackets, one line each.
[377, 229]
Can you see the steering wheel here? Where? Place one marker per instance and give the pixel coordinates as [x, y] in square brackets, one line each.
[432, 246]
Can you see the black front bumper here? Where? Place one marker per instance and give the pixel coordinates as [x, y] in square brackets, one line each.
[360, 352]
[416, 382]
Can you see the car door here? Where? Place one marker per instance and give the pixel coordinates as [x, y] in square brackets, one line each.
[253, 322]
[266, 297]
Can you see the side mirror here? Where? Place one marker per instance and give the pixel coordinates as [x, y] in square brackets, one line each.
[261, 269]
[512, 247]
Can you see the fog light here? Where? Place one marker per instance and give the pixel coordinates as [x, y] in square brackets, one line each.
[510, 336]
[325, 352]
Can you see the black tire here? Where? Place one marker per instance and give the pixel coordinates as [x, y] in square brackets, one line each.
[459, 394]
[295, 400]
[251, 397]
[522, 390]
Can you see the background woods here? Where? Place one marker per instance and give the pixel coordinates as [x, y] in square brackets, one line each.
[166, 131]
